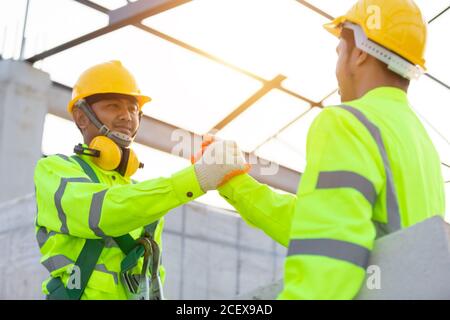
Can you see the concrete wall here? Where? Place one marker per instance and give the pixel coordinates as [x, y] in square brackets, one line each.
[20, 272]
[23, 106]
[208, 253]
[211, 254]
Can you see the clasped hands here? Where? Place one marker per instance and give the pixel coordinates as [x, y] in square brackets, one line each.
[218, 162]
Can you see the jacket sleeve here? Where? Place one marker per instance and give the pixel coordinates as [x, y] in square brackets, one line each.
[69, 202]
[260, 206]
[332, 233]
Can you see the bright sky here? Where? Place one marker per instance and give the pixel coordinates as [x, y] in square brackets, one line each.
[264, 37]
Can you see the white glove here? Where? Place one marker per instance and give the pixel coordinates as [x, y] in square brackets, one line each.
[220, 161]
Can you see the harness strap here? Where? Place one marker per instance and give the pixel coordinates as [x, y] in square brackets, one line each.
[86, 262]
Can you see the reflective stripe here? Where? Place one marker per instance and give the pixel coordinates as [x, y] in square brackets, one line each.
[347, 179]
[336, 249]
[102, 268]
[62, 156]
[393, 213]
[110, 243]
[42, 236]
[61, 261]
[56, 262]
[58, 196]
[95, 213]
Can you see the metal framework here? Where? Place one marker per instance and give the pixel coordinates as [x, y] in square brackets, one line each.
[132, 14]
[285, 179]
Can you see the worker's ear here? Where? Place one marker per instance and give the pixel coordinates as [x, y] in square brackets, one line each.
[81, 120]
[361, 56]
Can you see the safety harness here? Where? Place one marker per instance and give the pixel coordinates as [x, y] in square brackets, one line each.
[139, 287]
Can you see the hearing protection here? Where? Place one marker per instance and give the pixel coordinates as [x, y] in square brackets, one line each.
[110, 150]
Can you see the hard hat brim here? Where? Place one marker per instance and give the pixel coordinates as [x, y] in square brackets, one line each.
[142, 99]
[335, 27]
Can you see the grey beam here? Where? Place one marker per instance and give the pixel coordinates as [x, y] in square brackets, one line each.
[268, 86]
[135, 12]
[121, 17]
[439, 14]
[211, 57]
[198, 51]
[315, 9]
[93, 5]
[158, 135]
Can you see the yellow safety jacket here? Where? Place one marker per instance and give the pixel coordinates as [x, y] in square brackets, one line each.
[371, 170]
[72, 208]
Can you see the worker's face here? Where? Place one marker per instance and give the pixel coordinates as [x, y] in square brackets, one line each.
[118, 114]
[344, 70]
[121, 115]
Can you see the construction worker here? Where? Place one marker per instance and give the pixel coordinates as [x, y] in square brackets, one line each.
[99, 232]
[371, 167]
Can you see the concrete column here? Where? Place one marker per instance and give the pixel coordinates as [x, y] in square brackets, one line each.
[23, 106]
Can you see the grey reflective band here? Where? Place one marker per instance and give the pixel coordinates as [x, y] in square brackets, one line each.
[102, 268]
[347, 179]
[62, 156]
[61, 261]
[58, 196]
[393, 213]
[42, 236]
[57, 262]
[335, 249]
[110, 243]
[95, 213]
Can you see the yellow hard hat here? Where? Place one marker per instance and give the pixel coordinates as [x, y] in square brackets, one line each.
[108, 77]
[397, 25]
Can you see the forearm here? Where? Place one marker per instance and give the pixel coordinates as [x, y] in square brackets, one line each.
[260, 206]
[92, 210]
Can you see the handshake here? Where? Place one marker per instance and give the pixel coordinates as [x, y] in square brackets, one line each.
[218, 162]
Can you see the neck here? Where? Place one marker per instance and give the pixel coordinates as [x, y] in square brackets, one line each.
[373, 80]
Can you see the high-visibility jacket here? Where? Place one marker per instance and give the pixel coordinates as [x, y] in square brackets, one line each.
[71, 208]
[344, 200]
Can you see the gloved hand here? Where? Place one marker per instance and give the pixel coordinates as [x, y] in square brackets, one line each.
[220, 161]
[206, 141]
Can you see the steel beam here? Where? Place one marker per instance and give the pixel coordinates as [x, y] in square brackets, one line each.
[158, 135]
[135, 12]
[268, 86]
[121, 17]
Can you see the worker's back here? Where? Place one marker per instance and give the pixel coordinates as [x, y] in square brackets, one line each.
[414, 162]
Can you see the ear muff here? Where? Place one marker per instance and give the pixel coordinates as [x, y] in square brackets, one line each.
[109, 156]
[110, 153]
[129, 163]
